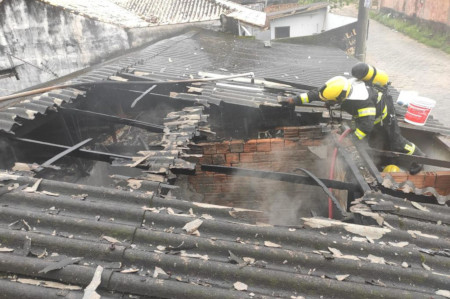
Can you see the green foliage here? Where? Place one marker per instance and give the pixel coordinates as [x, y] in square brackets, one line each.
[423, 33]
[333, 2]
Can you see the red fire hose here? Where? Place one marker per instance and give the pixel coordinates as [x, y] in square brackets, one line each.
[331, 176]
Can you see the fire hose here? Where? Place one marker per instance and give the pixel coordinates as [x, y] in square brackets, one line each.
[331, 173]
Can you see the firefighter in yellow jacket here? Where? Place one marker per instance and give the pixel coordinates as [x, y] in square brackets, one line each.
[367, 99]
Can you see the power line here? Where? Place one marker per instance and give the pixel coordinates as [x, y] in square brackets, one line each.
[44, 70]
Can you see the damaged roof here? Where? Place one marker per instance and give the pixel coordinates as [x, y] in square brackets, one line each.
[148, 242]
[193, 55]
[140, 237]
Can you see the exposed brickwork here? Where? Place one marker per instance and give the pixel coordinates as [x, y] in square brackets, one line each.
[272, 154]
[440, 180]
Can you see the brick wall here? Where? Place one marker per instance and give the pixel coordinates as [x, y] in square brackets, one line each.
[440, 180]
[282, 200]
[430, 10]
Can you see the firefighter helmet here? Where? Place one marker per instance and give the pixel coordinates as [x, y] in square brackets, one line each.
[370, 74]
[336, 89]
[391, 168]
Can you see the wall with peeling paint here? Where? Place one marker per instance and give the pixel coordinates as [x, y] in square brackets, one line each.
[431, 10]
[53, 40]
[50, 42]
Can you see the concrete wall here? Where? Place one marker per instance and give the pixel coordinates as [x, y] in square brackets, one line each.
[430, 10]
[301, 24]
[58, 42]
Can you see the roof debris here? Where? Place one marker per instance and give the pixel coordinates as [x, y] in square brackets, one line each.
[444, 293]
[192, 227]
[111, 240]
[338, 254]
[419, 206]
[398, 244]
[129, 271]
[48, 284]
[61, 264]
[34, 187]
[6, 249]
[271, 244]
[90, 290]
[415, 233]
[361, 230]
[159, 273]
[240, 286]
[376, 259]
[342, 277]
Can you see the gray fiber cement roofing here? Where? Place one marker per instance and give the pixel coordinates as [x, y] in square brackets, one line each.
[150, 243]
[184, 56]
[161, 12]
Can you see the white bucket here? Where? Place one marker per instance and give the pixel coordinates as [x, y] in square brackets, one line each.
[419, 109]
[406, 96]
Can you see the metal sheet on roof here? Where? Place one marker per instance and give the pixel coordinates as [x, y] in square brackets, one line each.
[278, 11]
[244, 14]
[162, 12]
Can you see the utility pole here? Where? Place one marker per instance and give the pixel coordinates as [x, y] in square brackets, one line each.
[362, 28]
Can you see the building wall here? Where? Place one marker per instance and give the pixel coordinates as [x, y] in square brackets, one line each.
[430, 10]
[282, 201]
[301, 24]
[52, 39]
[58, 42]
[335, 21]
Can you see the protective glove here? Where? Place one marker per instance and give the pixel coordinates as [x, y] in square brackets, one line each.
[286, 102]
[415, 168]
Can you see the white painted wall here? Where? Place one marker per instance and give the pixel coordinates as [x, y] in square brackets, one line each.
[65, 42]
[335, 21]
[301, 24]
[52, 38]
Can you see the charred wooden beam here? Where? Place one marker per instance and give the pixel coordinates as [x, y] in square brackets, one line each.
[142, 95]
[117, 120]
[280, 176]
[64, 153]
[353, 168]
[287, 177]
[297, 85]
[370, 164]
[410, 158]
[79, 152]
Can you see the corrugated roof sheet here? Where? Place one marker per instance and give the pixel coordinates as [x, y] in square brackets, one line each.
[104, 11]
[279, 11]
[161, 12]
[145, 234]
[150, 243]
[14, 115]
[244, 14]
[223, 54]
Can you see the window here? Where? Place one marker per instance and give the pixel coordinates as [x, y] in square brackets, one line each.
[281, 32]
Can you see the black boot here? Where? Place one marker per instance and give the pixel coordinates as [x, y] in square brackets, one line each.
[415, 167]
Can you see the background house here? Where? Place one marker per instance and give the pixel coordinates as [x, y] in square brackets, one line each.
[291, 20]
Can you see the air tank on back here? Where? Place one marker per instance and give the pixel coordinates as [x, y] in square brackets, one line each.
[370, 74]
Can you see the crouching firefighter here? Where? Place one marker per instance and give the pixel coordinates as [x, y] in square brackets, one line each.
[367, 99]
